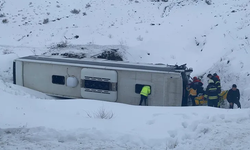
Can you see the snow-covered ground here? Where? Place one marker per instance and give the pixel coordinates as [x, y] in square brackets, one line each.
[209, 38]
[37, 122]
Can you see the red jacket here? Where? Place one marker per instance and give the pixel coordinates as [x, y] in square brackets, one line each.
[217, 77]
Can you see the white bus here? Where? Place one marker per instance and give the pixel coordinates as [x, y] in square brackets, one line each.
[101, 79]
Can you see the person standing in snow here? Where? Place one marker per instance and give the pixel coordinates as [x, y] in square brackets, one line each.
[195, 88]
[144, 94]
[233, 97]
[211, 94]
[216, 82]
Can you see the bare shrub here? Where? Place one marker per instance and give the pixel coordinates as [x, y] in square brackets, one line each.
[209, 2]
[87, 5]
[110, 36]
[140, 38]
[102, 113]
[84, 13]
[172, 143]
[45, 21]
[5, 21]
[62, 44]
[2, 15]
[111, 54]
[75, 11]
[6, 51]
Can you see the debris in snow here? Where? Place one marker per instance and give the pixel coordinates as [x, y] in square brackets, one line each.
[209, 2]
[111, 54]
[75, 11]
[74, 55]
[62, 44]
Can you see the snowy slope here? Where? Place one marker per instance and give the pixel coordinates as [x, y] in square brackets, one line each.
[184, 31]
[209, 38]
[30, 123]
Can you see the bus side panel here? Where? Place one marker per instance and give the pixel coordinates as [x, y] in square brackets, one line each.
[173, 90]
[18, 73]
[14, 72]
[51, 78]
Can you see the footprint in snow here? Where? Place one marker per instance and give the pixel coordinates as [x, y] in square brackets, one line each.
[172, 133]
[184, 124]
[158, 114]
[150, 122]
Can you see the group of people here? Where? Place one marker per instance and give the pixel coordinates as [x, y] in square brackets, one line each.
[212, 92]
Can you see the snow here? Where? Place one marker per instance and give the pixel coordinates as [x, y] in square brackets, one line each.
[209, 38]
[66, 124]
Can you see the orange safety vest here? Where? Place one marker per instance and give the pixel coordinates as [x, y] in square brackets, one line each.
[192, 92]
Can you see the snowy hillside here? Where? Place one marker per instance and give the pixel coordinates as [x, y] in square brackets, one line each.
[209, 38]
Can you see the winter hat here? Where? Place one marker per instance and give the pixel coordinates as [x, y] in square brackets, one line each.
[209, 75]
[215, 74]
[234, 86]
[210, 81]
[195, 78]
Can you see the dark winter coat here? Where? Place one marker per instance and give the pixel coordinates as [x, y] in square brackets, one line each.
[217, 83]
[197, 85]
[211, 92]
[233, 96]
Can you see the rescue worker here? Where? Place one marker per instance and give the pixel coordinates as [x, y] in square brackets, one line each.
[144, 94]
[233, 97]
[216, 82]
[211, 94]
[195, 88]
[199, 85]
[215, 75]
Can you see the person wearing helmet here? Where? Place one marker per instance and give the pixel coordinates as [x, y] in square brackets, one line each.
[215, 75]
[216, 81]
[211, 94]
[233, 97]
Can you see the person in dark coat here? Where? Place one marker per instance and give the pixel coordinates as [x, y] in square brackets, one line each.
[233, 97]
[215, 75]
[199, 85]
[216, 82]
[195, 88]
[211, 94]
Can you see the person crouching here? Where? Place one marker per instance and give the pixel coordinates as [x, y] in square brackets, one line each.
[233, 97]
[144, 94]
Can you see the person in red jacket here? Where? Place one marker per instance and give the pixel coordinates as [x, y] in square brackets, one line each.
[215, 75]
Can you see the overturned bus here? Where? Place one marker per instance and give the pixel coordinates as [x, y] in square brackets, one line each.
[101, 79]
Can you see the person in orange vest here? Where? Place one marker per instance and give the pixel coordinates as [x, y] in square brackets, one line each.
[144, 94]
